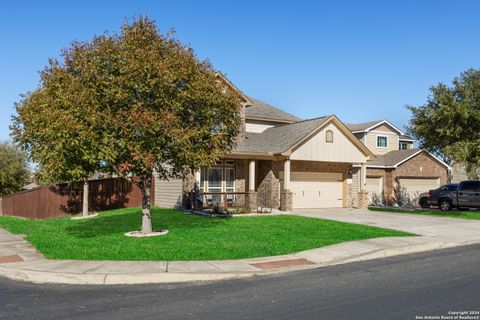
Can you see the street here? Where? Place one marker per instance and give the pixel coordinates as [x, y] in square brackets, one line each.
[403, 287]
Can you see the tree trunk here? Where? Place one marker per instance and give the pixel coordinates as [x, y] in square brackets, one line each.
[85, 199]
[145, 186]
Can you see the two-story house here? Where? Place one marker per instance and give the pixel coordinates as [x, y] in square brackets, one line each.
[280, 162]
[399, 169]
[283, 162]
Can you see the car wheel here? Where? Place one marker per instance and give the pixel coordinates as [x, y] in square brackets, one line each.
[424, 203]
[445, 205]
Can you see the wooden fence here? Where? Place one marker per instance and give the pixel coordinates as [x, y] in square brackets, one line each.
[51, 201]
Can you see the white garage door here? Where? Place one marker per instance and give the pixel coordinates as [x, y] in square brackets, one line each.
[375, 189]
[316, 189]
[414, 186]
[168, 194]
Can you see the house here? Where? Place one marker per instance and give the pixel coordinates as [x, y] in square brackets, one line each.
[283, 162]
[400, 172]
[280, 162]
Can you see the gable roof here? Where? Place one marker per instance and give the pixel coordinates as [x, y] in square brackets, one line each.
[367, 126]
[261, 110]
[395, 158]
[283, 139]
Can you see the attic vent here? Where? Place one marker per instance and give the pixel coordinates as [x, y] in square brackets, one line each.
[329, 136]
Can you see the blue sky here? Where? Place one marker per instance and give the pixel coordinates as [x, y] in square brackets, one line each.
[360, 60]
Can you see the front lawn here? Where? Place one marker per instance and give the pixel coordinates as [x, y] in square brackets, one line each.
[475, 215]
[190, 237]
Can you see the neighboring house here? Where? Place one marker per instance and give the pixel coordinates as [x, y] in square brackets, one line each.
[400, 172]
[280, 162]
[459, 173]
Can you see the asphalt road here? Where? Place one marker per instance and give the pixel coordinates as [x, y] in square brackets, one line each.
[429, 284]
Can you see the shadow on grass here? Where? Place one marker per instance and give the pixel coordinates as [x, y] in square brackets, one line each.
[130, 220]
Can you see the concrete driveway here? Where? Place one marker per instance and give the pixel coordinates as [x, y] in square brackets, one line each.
[439, 228]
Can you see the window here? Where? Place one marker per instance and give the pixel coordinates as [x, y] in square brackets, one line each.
[329, 136]
[382, 141]
[220, 178]
[470, 186]
[450, 187]
[403, 145]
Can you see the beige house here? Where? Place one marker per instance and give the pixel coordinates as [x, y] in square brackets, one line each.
[400, 172]
[280, 162]
[283, 162]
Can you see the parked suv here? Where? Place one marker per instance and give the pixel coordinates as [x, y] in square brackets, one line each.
[467, 195]
[432, 197]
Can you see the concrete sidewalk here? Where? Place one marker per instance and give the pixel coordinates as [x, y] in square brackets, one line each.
[19, 261]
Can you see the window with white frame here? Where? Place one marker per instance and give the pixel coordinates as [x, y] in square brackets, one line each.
[329, 136]
[382, 141]
[403, 145]
[219, 178]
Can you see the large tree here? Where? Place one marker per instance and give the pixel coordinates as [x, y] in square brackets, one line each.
[152, 104]
[448, 124]
[14, 173]
[56, 124]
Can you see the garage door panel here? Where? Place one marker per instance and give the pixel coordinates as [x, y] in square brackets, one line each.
[414, 186]
[317, 190]
[375, 189]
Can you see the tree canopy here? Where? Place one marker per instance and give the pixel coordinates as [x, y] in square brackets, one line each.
[141, 102]
[448, 124]
[14, 173]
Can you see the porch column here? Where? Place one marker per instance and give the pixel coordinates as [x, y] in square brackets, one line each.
[363, 176]
[251, 200]
[251, 175]
[286, 203]
[198, 177]
[363, 193]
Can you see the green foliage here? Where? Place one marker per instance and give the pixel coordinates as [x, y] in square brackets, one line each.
[13, 169]
[128, 103]
[190, 238]
[449, 123]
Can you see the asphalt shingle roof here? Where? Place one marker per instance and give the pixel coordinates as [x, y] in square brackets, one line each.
[263, 110]
[362, 126]
[392, 158]
[281, 138]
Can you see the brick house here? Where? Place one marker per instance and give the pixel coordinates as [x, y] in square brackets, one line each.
[400, 172]
[283, 162]
[280, 162]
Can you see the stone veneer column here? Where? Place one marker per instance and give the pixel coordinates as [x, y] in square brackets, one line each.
[362, 199]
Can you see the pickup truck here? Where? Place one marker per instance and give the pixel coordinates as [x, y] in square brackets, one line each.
[466, 195]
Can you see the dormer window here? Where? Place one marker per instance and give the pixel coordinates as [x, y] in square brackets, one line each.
[382, 141]
[403, 145]
[329, 136]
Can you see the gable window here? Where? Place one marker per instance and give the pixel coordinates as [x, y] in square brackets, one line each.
[382, 141]
[329, 136]
[403, 145]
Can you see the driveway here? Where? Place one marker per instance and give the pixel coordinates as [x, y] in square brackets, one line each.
[439, 228]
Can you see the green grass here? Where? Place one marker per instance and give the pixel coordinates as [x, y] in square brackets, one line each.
[474, 215]
[190, 238]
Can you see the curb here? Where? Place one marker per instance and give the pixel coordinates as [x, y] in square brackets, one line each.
[45, 277]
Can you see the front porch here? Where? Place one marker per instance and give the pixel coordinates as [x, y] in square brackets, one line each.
[278, 184]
